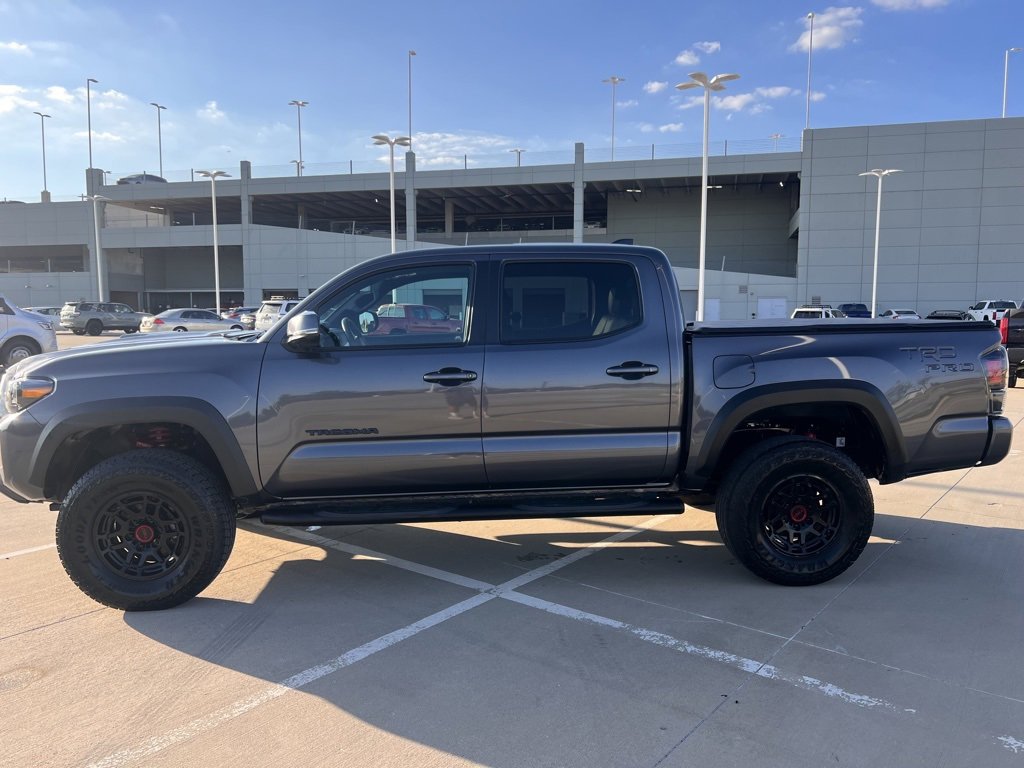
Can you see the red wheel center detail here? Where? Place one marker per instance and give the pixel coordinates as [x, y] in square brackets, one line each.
[144, 534]
[798, 514]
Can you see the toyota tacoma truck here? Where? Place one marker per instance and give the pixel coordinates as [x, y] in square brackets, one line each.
[572, 388]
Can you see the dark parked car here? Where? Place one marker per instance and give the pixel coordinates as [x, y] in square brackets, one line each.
[1012, 329]
[141, 178]
[949, 314]
[855, 310]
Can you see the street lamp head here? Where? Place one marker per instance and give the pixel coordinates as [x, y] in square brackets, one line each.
[403, 141]
[40, 114]
[880, 172]
[412, 52]
[614, 80]
[810, 15]
[158, 106]
[717, 79]
[91, 80]
[298, 103]
[1014, 50]
[213, 174]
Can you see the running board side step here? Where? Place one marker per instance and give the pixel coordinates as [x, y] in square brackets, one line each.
[364, 511]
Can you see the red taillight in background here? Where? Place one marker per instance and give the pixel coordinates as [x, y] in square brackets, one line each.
[1004, 328]
[157, 321]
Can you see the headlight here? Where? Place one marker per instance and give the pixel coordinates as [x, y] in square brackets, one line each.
[19, 394]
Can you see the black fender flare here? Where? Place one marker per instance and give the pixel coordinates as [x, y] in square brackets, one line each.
[192, 412]
[745, 404]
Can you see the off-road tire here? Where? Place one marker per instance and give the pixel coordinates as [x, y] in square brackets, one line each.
[16, 350]
[94, 327]
[795, 511]
[145, 530]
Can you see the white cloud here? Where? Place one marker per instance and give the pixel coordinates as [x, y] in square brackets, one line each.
[909, 5]
[12, 97]
[691, 102]
[100, 136]
[833, 28]
[15, 47]
[708, 47]
[628, 103]
[734, 102]
[671, 128]
[646, 128]
[59, 93]
[211, 113]
[687, 58]
[447, 149]
[655, 86]
[775, 92]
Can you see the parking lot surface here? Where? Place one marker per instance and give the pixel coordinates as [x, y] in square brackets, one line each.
[624, 641]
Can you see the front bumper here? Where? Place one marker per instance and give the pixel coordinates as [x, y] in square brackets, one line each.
[19, 441]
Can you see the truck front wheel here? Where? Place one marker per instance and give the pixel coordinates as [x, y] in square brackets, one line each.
[145, 530]
[795, 511]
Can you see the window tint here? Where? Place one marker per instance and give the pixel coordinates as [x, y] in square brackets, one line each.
[435, 314]
[376, 311]
[563, 301]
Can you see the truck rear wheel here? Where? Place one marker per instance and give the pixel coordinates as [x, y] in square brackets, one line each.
[145, 530]
[795, 511]
[94, 327]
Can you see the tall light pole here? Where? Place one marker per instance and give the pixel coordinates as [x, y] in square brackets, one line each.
[88, 112]
[700, 80]
[614, 80]
[213, 176]
[298, 167]
[519, 156]
[1006, 73]
[42, 131]
[298, 112]
[810, 50]
[101, 268]
[880, 173]
[411, 54]
[775, 138]
[159, 135]
[402, 141]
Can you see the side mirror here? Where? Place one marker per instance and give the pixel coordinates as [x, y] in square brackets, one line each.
[367, 321]
[303, 332]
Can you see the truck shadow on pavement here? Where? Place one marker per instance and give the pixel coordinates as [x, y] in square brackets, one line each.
[505, 684]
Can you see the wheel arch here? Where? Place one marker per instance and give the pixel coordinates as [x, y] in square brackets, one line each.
[781, 409]
[109, 427]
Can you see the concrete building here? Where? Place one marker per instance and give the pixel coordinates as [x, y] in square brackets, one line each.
[784, 227]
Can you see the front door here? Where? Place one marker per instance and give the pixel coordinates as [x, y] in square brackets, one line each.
[578, 384]
[376, 412]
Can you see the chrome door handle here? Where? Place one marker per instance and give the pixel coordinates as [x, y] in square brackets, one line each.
[449, 377]
[632, 370]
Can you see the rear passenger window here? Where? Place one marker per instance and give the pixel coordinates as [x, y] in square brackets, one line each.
[566, 301]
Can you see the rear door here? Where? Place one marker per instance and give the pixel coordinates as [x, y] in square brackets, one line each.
[578, 382]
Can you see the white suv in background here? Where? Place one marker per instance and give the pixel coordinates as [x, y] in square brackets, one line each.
[992, 310]
[23, 334]
[272, 310]
[815, 313]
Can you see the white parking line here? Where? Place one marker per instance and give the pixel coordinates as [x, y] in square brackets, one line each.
[487, 592]
[300, 680]
[29, 551]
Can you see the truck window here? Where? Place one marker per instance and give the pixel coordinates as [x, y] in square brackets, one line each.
[565, 301]
[379, 310]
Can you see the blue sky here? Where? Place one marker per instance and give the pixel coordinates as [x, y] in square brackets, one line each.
[487, 77]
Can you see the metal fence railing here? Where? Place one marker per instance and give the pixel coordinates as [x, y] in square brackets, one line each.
[509, 158]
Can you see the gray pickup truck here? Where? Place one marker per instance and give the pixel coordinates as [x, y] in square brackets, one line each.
[571, 387]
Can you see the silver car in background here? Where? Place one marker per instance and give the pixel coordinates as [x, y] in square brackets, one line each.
[24, 333]
[187, 319]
